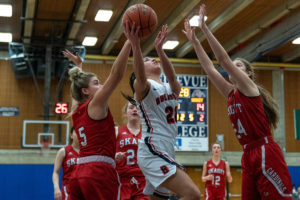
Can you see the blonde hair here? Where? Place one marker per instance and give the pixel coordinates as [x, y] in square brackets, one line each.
[270, 105]
[80, 79]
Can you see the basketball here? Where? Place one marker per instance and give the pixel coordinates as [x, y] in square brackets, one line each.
[143, 16]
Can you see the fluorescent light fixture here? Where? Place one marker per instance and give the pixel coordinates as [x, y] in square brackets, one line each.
[103, 15]
[5, 10]
[194, 21]
[296, 41]
[89, 41]
[5, 37]
[170, 44]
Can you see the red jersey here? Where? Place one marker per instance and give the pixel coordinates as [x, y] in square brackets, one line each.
[95, 137]
[128, 142]
[68, 163]
[218, 172]
[248, 118]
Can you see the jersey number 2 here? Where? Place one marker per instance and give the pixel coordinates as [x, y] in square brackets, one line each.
[130, 153]
[171, 114]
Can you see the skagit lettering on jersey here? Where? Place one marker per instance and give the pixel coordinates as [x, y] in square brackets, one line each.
[128, 141]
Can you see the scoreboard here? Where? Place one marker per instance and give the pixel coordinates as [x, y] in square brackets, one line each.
[192, 113]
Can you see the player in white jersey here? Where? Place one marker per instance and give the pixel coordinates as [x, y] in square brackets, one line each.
[158, 109]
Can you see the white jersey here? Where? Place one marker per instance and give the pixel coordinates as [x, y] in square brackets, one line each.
[158, 111]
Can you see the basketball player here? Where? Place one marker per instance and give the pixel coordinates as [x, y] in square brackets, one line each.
[214, 175]
[157, 104]
[131, 176]
[66, 159]
[95, 176]
[253, 114]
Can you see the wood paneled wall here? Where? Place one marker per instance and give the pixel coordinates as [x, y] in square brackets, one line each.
[23, 94]
[292, 101]
[235, 188]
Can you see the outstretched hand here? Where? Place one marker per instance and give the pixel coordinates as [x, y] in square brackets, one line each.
[189, 31]
[132, 33]
[202, 12]
[161, 36]
[75, 59]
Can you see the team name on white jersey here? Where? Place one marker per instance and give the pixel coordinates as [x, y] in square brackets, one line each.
[235, 108]
[165, 97]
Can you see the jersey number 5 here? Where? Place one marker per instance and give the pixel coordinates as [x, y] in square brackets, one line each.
[171, 114]
[83, 136]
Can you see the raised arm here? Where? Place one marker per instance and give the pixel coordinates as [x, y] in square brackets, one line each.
[55, 176]
[243, 82]
[76, 59]
[228, 173]
[97, 108]
[166, 64]
[214, 76]
[141, 85]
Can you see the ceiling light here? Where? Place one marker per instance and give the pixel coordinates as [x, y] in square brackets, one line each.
[170, 44]
[296, 41]
[89, 41]
[5, 10]
[194, 21]
[5, 37]
[103, 15]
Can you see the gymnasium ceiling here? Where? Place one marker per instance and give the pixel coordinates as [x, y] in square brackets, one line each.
[260, 30]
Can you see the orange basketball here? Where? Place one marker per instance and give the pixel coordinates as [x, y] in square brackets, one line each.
[143, 16]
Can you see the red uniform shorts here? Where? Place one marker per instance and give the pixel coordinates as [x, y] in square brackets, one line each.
[95, 180]
[65, 193]
[265, 174]
[212, 193]
[132, 188]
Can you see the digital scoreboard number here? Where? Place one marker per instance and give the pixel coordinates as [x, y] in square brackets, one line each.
[192, 113]
[61, 108]
[192, 106]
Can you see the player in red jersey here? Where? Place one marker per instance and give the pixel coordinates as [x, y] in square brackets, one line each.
[95, 176]
[131, 176]
[253, 114]
[66, 159]
[214, 175]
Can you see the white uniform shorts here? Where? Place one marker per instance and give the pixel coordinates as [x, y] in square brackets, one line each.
[156, 160]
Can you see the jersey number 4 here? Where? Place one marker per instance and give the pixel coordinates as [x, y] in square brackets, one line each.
[171, 114]
[241, 129]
